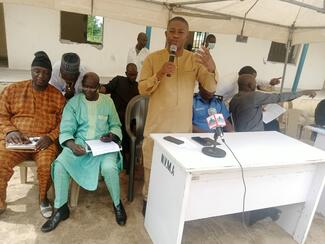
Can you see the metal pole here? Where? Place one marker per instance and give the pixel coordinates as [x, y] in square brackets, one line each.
[288, 48]
[300, 66]
[305, 5]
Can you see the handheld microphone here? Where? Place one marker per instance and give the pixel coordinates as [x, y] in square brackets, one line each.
[172, 54]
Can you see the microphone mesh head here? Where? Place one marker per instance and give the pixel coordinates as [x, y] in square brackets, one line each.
[173, 48]
[212, 111]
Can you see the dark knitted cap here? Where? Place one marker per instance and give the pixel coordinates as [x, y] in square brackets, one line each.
[42, 60]
[70, 63]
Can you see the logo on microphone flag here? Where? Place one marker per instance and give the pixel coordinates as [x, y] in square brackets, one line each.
[212, 122]
[220, 120]
[216, 120]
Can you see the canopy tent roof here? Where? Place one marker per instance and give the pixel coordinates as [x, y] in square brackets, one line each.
[265, 19]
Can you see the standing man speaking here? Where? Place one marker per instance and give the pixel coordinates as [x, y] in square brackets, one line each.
[170, 85]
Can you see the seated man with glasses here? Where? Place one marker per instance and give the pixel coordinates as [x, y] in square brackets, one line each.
[87, 116]
[31, 108]
[67, 75]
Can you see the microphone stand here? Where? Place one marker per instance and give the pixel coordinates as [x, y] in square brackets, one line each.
[214, 151]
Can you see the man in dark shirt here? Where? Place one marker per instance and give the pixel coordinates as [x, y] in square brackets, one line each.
[122, 90]
[246, 106]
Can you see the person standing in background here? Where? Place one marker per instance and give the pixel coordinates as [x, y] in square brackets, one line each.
[210, 41]
[122, 90]
[138, 53]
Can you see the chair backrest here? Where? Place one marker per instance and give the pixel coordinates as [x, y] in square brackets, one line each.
[136, 110]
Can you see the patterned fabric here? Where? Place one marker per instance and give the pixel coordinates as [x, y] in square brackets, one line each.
[34, 113]
[43, 159]
[70, 63]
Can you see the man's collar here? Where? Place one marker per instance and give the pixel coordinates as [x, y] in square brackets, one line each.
[202, 99]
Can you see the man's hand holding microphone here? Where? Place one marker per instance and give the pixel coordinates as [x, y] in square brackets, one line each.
[169, 67]
[202, 56]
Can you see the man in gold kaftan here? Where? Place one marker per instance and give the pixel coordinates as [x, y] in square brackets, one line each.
[170, 86]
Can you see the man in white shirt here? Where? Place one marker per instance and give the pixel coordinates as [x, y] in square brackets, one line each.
[138, 53]
[67, 75]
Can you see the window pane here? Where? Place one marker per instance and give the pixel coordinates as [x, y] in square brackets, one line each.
[277, 53]
[198, 39]
[95, 29]
[73, 27]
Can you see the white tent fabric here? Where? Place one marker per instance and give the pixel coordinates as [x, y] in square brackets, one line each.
[267, 19]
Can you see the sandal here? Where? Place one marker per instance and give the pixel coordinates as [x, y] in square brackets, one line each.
[46, 209]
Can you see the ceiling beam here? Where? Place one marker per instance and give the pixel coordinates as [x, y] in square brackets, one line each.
[305, 5]
[209, 13]
[206, 16]
[197, 2]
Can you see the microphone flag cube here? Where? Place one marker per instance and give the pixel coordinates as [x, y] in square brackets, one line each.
[216, 120]
[220, 120]
[212, 123]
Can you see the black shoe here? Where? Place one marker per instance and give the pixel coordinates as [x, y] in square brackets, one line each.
[144, 208]
[58, 215]
[120, 214]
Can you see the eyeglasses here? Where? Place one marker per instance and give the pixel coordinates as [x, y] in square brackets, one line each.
[89, 89]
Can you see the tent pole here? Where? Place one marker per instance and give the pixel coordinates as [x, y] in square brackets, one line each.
[300, 65]
[288, 48]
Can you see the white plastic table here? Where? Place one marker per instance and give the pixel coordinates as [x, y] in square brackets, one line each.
[186, 185]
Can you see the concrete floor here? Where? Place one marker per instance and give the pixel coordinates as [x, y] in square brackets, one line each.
[93, 222]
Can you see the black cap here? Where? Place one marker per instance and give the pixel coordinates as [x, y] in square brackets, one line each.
[42, 60]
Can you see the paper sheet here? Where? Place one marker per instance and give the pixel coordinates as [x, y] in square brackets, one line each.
[29, 146]
[271, 112]
[98, 147]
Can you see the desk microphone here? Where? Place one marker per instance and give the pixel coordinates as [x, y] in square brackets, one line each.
[172, 55]
[220, 122]
[215, 121]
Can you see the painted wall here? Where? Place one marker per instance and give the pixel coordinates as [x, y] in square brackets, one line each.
[3, 49]
[29, 29]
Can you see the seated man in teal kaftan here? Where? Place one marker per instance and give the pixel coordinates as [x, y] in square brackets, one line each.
[89, 115]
